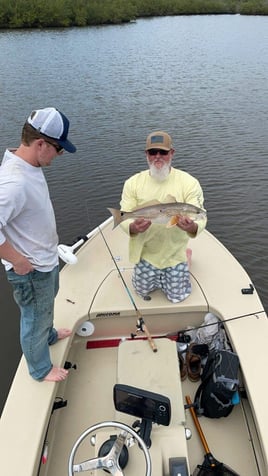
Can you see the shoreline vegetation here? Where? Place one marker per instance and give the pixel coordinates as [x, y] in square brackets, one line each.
[72, 13]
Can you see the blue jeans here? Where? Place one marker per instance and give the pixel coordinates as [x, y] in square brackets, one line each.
[35, 293]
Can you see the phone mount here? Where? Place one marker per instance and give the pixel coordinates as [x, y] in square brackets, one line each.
[150, 407]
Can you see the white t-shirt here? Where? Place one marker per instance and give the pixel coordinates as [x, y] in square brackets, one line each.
[27, 219]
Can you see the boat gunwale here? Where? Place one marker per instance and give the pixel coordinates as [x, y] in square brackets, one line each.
[36, 403]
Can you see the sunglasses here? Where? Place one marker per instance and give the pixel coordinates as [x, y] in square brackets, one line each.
[58, 148]
[155, 151]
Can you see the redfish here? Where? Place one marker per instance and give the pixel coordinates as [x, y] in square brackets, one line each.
[162, 213]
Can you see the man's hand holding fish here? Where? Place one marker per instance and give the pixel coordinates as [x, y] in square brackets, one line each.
[140, 225]
[188, 225]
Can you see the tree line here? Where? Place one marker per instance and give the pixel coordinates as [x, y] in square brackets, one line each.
[68, 13]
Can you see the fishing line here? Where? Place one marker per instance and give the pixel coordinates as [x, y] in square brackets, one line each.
[141, 326]
[220, 323]
[121, 276]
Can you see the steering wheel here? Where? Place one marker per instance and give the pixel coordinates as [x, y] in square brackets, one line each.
[110, 462]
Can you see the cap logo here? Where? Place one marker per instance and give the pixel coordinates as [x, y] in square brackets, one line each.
[155, 139]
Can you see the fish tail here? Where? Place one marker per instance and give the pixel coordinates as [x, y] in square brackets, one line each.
[117, 216]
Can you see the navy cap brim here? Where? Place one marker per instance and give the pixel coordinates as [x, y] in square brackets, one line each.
[67, 145]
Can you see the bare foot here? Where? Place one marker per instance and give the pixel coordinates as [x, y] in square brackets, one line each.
[56, 374]
[63, 333]
[189, 257]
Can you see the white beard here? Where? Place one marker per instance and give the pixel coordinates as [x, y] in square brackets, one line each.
[160, 174]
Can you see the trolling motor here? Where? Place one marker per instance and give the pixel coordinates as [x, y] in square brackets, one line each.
[66, 252]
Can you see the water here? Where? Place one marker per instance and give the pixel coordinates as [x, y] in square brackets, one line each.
[201, 78]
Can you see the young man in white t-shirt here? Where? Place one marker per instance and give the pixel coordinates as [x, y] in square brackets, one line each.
[28, 236]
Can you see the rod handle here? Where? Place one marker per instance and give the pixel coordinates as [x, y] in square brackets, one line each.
[150, 339]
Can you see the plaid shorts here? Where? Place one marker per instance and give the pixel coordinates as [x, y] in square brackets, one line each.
[174, 281]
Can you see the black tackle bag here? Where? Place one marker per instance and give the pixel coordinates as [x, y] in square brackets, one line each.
[216, 394]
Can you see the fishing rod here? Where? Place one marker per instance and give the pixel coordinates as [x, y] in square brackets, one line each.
[66, 253]
[141, 327]
[220, 323]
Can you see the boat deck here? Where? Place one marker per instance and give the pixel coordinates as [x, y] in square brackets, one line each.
[90, 387]
[93, 289]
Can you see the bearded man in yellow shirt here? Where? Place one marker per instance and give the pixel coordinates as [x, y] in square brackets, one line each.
[160, 253]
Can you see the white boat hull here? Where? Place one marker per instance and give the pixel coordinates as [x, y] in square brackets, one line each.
[93, 291]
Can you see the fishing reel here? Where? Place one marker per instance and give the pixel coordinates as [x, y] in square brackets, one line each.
[183, 338]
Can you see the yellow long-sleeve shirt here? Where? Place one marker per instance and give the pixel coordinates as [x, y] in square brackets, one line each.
[159, 245]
